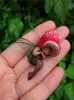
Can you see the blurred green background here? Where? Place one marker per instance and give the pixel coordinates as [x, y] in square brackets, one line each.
[17, 17]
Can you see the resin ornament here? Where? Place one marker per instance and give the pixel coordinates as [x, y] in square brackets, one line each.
[48, 45]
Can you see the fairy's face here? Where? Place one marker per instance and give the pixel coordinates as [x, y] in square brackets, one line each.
[46, 51]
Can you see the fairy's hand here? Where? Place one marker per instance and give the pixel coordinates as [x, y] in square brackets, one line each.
[36, 51]
[14, 68]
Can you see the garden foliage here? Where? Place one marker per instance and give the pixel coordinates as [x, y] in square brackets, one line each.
[17, 17]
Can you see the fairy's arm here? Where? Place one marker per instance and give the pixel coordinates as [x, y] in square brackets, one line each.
[36, 51]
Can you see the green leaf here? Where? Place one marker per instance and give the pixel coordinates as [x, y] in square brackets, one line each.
[62, 64]
[5, 15]
[70, 71]
[69, 90]
[27, 31]
[48, 5]
[67, 57]
[67, 4]
[30, 3]
[52, 97]
[2, 24]
[72, 46]
[15, 27]
[59, 92]
[72, 57]
[0, 50]
[64, 80]
[61, 9]
[14, 6]
[72, 30]
[65, 97]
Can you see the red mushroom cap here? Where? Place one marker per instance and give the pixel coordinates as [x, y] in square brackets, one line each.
[50, 40]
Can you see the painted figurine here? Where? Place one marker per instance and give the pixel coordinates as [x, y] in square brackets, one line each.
[48, 45]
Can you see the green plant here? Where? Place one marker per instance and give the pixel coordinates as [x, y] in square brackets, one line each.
[20, 16]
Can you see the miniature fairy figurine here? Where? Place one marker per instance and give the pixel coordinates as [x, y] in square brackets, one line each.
[48, 45]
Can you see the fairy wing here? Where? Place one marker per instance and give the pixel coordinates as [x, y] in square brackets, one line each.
[25, 43]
